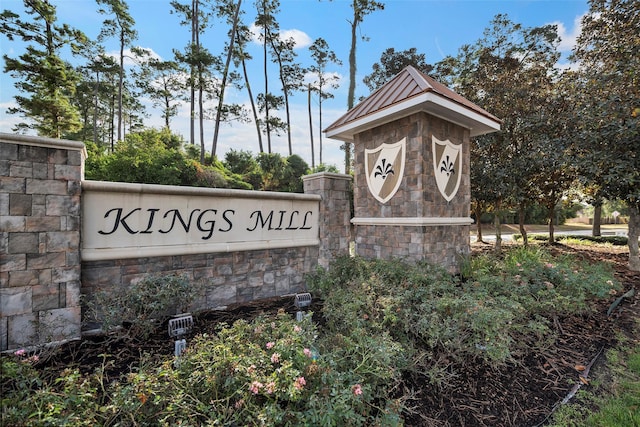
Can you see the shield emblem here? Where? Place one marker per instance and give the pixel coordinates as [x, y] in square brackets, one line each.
[447, 166]
[384, 167]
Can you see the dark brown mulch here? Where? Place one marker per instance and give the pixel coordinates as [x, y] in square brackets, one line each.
[521, 394]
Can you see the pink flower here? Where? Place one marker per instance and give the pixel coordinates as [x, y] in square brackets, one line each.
[357, 389]
[239, 404]
[20, 352]
[271, 387]
[297, 328]
[255, 387]
[548, 265]
[275, 358]
[307, 352]
[300, 383]
[270, 345]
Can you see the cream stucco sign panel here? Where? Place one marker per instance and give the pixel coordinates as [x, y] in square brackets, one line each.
[137, 224]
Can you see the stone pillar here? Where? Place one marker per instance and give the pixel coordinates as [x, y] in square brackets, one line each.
[416, 222]
[40, 187]
[335, 213]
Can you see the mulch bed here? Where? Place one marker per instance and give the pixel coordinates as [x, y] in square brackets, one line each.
[521, 394]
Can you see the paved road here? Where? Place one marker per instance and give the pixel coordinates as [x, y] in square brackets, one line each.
[508, 235]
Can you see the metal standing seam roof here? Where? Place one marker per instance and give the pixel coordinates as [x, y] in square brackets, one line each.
[408, 92]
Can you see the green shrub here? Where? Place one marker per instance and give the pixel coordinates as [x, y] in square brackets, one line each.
[143, 305]
[500, 307]
[575, 238]
[29, 400]
[267, 372]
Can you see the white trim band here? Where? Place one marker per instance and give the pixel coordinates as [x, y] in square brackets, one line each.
[413, 221]
[101, 254]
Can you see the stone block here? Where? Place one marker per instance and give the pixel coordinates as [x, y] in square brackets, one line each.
[62, 205]
[13, 262]
[8, 151]
[4, 344]
[46, 297]
[21, 331]
[21, 169]
[41, 171]
[12, 223]
[62, 241]
[15, 301]
[74, 158]
[33, 153]
[67, 172]
[4, 204]
[72, 294]
[42, 223]
[20, 204]
[65, 274]
[23, 243]
[43, 261]
[59, 324]
[74, 188]
[23, 278]
[58, 157]
[221, 295]
[48, 186]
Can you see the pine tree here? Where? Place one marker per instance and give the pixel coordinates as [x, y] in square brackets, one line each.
[47, 83]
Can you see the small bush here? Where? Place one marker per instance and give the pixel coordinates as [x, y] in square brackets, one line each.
[143, 305]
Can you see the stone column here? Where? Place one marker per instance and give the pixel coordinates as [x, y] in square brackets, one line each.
[417, 223]
[40, 187]
[335, 213]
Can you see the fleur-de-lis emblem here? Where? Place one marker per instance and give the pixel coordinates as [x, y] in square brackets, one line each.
[447, 166]
[384, 169]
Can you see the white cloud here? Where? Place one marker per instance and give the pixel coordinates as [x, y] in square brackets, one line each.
[130, 58]
[569, 37]
[301, 38]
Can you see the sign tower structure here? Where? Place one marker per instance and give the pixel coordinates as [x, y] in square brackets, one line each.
[411, 168]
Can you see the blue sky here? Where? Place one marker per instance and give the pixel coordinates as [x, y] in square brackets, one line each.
[436, 28]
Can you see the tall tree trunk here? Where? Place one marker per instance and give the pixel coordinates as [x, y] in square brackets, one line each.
[266, 83]
[523, 230]
[120, 85]
[214, 144]
[320, 122]
[478, 211]
[313, 161]
[597, 218]
[200, 85]
[352, 85]
[633, 234]
[192, 73]
[498, 228]
[253, 104]
[95, 109]
[551, 213]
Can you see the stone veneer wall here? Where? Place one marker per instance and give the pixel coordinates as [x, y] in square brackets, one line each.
[417, 197]
[42, 276]
[225, 278]
[39, 240]
[335, 213]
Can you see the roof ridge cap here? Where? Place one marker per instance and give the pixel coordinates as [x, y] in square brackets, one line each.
[419, 78]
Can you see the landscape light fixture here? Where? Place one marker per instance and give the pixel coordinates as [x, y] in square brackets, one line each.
[178, 328]
[301, 301]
